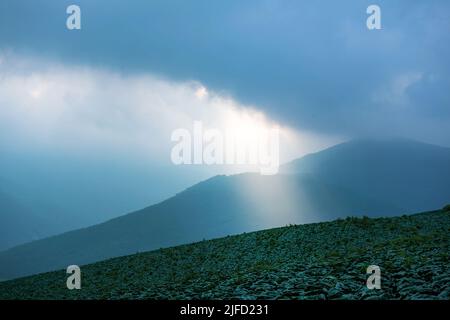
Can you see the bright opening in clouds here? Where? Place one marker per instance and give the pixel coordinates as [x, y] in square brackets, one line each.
[79, 108]
[84, 127]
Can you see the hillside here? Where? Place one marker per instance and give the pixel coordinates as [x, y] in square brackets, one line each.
[315, 261]
[217, 207]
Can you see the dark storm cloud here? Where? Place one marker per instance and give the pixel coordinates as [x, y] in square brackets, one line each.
[309, 64]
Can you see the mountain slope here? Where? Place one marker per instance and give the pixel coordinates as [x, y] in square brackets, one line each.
[316, 261]
[411, 175]
[217, 207]
[356, 178]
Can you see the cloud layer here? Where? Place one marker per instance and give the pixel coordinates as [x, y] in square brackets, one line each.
[84, 109]
[311, 66]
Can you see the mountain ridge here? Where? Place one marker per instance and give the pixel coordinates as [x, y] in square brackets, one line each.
[219, 206]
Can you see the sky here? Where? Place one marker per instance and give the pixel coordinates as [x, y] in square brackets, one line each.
[89, 113]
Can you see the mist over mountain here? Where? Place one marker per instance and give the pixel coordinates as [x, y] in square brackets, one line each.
[373, 178]
[56, 195]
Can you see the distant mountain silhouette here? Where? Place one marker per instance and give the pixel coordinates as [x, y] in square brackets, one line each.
[19, 224]
[22, 220]
[411, 175]
[345, 180]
